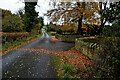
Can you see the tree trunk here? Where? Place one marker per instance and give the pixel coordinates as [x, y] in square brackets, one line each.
[101, 26]
[79, 31]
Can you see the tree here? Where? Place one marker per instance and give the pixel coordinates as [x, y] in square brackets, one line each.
[114, 18]
[31, 16]
[112, 10]
[5, 13]
[11, 22]
[52, 27]
[21, 12]
[71, 28]
[70, 12]
[41, 21]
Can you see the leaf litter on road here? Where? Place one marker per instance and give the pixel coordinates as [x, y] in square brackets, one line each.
[70, 57]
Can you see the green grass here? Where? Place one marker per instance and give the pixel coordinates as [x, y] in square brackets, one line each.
[44, 27]
[57, 63]
[56, 60]
[63, 71]
[72, 48]
[49, 34]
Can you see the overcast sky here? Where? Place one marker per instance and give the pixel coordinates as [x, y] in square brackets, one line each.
[15, 5]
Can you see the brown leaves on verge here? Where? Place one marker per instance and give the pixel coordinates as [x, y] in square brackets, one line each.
[71, 57]
[54, 39]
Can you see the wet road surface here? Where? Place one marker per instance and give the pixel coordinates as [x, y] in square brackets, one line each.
[33, 64]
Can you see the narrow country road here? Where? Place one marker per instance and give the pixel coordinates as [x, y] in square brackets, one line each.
[33, 64]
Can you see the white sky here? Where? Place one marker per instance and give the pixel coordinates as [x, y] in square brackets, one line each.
[15, 5]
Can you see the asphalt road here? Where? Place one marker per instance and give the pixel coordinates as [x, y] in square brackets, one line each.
[33, 64]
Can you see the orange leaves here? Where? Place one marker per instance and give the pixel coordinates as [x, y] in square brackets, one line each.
[70, 57]
[75, 59]
[99, 23]
[70, 10]
[54, 39]
[68, 27]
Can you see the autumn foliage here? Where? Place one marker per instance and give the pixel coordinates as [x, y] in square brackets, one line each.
[74, 13]
[69, 28]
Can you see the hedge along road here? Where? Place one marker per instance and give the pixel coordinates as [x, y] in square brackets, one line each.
[26, 62]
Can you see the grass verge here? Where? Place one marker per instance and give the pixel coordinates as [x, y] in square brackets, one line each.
[69, 66]
[11, 46]
[49, 34]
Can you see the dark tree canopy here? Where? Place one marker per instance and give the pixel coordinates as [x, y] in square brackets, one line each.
[31, 16]
[41, 20]
[110, 14]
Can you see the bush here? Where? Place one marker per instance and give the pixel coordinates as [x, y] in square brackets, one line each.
[110, 54]
[50, 29]
[112, 30]
[71, 31]
[11, 37]
[59, 31]
[53, 33]
[36, 32]
[11, 22]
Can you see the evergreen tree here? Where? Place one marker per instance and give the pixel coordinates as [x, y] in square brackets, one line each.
[31, 16]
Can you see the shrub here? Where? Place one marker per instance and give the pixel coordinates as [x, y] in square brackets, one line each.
[112, 30]
[10, 37]
[50, 29]
[36, 32]
[59, 31]
[71, 31]
[110, 54]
